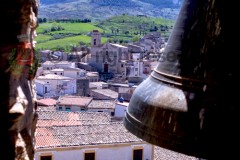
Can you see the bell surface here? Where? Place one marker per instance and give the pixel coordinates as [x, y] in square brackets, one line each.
[177, 107]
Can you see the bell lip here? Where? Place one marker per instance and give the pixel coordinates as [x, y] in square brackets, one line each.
[140, 130]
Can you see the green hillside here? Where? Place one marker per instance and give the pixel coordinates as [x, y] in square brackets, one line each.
[118, 29]
[53, 35]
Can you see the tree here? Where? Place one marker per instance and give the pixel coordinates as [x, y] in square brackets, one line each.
[44, 20]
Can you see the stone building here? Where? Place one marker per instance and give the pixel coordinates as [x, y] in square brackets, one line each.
[106, 58]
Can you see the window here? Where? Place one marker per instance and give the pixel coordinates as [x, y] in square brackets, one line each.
[60, 108]
[89, 156]
[137, 154]
[45, 157]
[45, 90]
[68, 109]
[94, 42]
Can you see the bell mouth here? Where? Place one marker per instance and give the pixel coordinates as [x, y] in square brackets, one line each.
[167, 116]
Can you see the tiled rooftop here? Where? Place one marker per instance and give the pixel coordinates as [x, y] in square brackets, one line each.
[74, 100]
[66, 136]
[102, 104]
[47, 102]
[66, 129]
[165, 154]
[106, 92]
[61, 118]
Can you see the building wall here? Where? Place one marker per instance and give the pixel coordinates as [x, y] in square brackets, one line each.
[108, 54]
[48, 67]
[83, 87]
[74, 73]
[69, 89]
[120, 110]
[100, 110]
[113, 152]
[40, 88]
[73, 108]
[57, 72]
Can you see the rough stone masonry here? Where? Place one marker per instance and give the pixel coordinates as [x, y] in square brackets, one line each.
[17, 69]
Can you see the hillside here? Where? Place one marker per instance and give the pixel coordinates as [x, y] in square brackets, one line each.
[118, 29]
[101, 9]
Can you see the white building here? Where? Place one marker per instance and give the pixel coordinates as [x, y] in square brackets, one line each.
[43, 88]
[86, 136]
[59, 85]
[120, 108]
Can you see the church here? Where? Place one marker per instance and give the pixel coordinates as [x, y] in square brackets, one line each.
[107, 57]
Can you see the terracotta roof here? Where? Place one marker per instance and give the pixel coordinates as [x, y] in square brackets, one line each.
[66, 129]
[165, 154]
[102, 104]
[46, 102]
[66, 136]
[63, 118]
[74, 100]
[106, 92]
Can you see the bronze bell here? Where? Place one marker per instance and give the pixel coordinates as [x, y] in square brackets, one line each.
[181, 106]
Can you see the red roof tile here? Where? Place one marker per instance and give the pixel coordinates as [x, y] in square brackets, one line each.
[47, 102]
[74, 100]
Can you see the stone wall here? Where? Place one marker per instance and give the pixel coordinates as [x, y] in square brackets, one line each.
[17, 70]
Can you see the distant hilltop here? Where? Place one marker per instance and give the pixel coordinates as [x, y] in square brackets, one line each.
[103, 9]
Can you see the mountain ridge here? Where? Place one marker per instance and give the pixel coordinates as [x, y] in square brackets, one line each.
[103, 9]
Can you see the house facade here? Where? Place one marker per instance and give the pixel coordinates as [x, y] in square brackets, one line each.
[58, 85]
